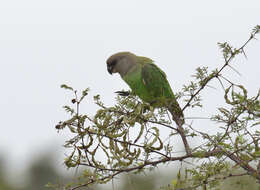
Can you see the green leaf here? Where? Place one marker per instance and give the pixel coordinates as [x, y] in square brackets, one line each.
[66, 87]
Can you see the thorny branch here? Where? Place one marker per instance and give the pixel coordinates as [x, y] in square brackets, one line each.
[151, 163]
[109, 131]
[217, 74]
[231, 155]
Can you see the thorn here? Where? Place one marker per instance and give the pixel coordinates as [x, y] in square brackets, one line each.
[235, 70]
[221, 83]
[211, 87]
[243, 51]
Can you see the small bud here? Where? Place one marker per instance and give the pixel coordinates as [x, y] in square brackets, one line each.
[73, 101]
[58, 126]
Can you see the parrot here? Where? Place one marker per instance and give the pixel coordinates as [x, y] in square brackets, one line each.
[147, 81]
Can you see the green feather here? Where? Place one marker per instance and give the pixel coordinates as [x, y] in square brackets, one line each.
[150, 83]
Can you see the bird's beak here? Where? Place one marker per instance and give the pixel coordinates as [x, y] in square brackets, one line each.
[110, 69]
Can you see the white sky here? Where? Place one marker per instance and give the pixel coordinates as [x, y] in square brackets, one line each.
[46, 43]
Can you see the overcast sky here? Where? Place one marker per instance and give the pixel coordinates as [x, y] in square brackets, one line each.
[46, 43]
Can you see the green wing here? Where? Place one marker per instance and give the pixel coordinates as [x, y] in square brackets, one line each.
[161, 94]
[156, 83]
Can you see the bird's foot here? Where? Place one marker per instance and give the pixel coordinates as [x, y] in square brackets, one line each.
[123, 93]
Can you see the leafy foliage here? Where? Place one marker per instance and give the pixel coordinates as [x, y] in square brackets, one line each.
[127, 137]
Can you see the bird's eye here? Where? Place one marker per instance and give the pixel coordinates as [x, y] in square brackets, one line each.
[113, 63]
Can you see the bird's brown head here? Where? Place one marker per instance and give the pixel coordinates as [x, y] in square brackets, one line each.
[120, 62]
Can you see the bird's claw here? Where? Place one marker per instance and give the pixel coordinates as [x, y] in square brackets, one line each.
[123, 93]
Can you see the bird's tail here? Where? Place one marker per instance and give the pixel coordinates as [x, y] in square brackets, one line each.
[178, 117]
[176, 112]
